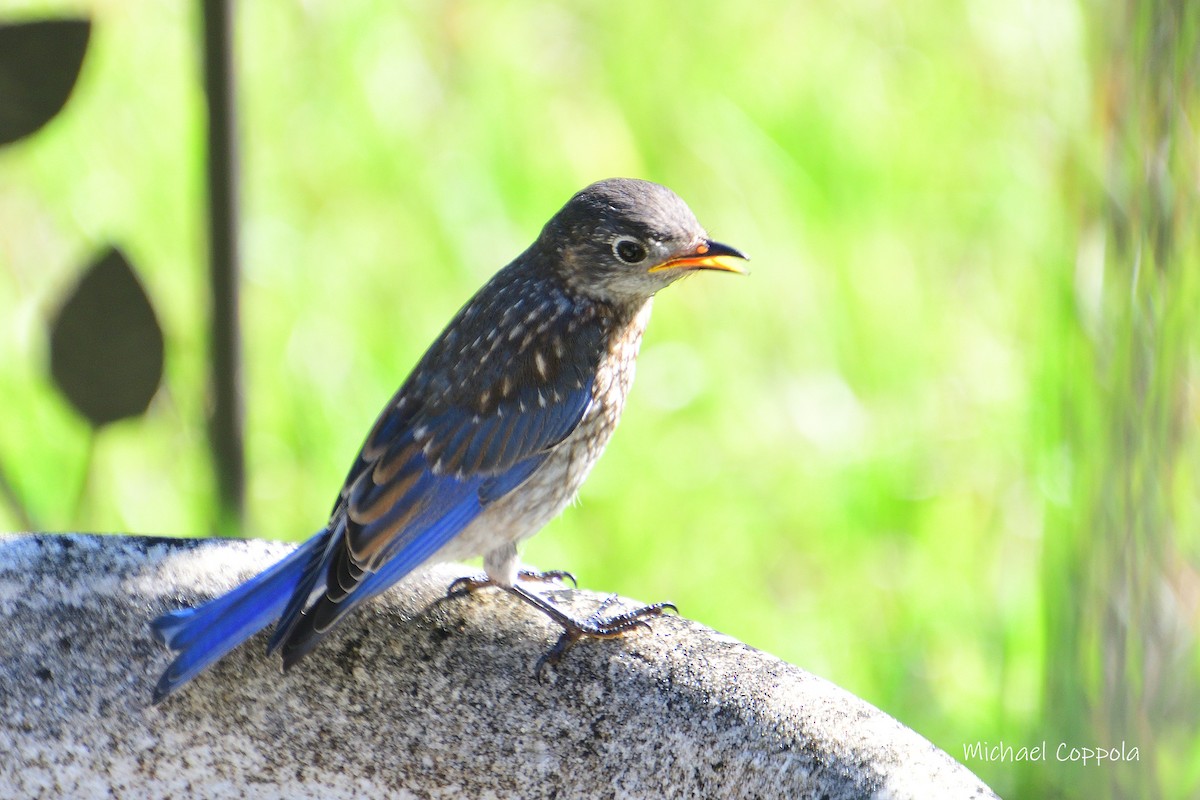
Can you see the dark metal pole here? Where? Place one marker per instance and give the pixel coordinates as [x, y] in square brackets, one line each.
[226, 416]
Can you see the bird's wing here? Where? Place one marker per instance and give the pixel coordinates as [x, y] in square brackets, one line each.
[509, 378]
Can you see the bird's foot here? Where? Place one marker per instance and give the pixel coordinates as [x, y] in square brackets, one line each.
[596, 626]
[473, 583]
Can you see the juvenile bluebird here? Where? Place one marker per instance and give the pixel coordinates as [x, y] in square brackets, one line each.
[487, 440]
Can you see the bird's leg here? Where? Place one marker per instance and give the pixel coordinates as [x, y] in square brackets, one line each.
[472, 583]
[596, 625]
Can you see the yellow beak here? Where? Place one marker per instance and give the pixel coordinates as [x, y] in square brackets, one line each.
[708, 255]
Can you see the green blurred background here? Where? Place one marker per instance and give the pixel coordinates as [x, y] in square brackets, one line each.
[940, 448]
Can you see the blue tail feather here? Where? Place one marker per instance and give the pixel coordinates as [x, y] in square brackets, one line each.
[453, 504]
[204, 634]
[287, 592]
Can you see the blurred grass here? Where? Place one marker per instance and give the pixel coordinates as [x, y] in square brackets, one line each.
[851, 459]
[1122, 599]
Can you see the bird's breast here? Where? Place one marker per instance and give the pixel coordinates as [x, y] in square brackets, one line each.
[614, 377]
[521, 513]
[564, 471]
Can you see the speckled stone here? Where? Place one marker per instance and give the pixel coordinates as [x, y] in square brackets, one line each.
[415, 697]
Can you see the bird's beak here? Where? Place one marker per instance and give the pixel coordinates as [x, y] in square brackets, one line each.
[707, 255]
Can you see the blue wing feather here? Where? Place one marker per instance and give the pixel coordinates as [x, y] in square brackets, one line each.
[469, 426]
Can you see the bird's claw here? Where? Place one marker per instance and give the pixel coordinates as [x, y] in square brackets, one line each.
[547, 576]
[473, 583]
[597, 626]
[467, 584]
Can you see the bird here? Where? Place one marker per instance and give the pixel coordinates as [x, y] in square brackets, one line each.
[489, 438]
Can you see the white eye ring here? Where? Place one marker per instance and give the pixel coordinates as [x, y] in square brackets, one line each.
[629, 250]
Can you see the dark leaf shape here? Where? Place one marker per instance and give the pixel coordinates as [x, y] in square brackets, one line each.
[39, 62]
[106, 347]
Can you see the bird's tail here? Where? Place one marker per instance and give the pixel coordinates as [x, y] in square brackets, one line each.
[204, 634]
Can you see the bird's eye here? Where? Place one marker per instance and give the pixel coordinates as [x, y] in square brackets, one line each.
[629, 250]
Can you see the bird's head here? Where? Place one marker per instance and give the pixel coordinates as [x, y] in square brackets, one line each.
[623, 239]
